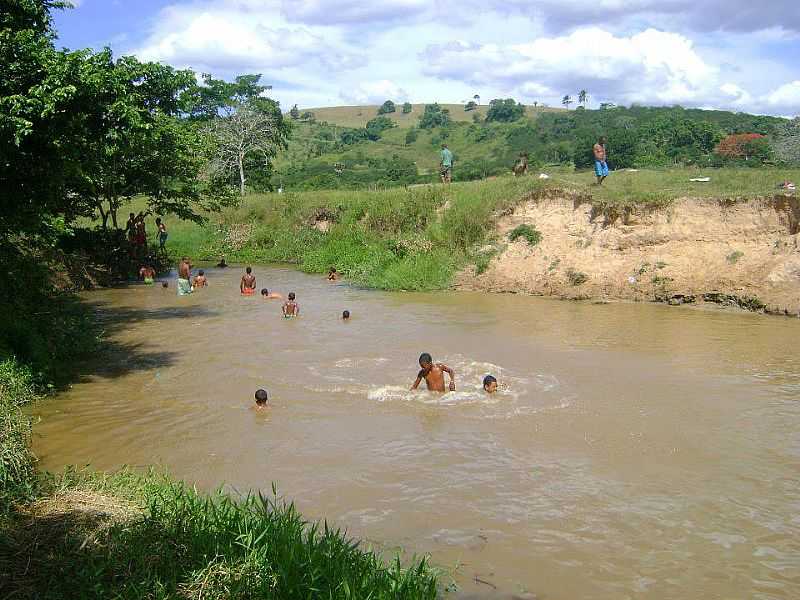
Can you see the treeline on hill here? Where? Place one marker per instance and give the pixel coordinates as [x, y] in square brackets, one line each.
[327, 156]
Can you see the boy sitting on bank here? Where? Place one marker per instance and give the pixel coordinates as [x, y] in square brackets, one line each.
[290, 307]
[433, 374]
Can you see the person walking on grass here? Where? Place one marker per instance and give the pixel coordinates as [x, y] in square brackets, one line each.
[600, 165]
[446, 164]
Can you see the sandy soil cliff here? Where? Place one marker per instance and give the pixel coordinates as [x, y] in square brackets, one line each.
[738, 253]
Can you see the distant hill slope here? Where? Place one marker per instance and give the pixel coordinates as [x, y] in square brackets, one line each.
[334, 149]
[357, 116]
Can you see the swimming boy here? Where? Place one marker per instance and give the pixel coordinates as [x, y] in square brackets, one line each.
[332, 274]
[222, 264]
[290, 307]
[433, 374]
[248, 284]
[490, 384]
[200, 280]
[148, 274]
[261, 399]
[267, 295]
[345, 315]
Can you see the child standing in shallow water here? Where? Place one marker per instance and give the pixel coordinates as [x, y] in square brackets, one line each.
[290, 307]
[433, 374]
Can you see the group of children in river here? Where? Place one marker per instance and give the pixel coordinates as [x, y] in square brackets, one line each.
[433, 373]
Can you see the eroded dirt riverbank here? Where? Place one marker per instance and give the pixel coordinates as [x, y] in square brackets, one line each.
[735, 253]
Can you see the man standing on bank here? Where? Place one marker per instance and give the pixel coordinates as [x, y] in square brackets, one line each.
[446, 164]
[600, 165]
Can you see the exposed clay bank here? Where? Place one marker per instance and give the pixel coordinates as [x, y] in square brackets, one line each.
[737, 253]
[635, 450]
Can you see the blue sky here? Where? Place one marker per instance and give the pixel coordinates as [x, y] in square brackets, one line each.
[733, 54]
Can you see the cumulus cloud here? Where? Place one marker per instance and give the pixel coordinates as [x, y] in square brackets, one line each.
[240, 34]
[327, 12]
[375, 92]
[786, 98]
[651, 66]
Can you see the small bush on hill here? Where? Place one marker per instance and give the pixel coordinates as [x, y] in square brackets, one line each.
[576, 278]
[470, 106]
[434, 116]
[529, 232]
[386, 108]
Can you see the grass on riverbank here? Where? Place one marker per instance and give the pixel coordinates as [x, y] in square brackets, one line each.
[416, 238]
[83, 535]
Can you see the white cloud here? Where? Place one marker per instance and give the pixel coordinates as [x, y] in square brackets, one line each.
[375, 92]
[327, 12]
[235, 35]
[786, 98]
[651, 66]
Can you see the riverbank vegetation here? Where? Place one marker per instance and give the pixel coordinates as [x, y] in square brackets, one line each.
[417, 238]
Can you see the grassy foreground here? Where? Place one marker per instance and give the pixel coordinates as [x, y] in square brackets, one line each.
[126, 535]
[416, 238]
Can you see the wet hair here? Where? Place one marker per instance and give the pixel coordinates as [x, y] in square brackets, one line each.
[201, 272]
[425, 358]
[291, 295]
[165, 284]
[489, 379]
[264, 292]
[261, 396]
[248, 270]
[346, 314]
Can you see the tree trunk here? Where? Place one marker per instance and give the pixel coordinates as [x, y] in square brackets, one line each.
[241, 175]
[103, 215]
[113, 212]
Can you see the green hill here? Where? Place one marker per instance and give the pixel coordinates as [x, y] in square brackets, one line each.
[352, 147]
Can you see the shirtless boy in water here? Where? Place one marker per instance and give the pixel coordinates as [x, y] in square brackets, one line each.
[248, 284]
[433, 374]
[290, 307]
[200, 280]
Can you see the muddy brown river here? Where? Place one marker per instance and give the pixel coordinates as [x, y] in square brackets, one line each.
[634, 451]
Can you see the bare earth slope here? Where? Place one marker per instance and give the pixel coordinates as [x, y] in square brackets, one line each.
[743, 253]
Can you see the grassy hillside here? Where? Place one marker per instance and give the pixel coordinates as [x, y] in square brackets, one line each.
[417, 238]
[336, 150]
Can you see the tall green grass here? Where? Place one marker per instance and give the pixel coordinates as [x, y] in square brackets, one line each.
[397, 239]
[183, 544]
[17, 462]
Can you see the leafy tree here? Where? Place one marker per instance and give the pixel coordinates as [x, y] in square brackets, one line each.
[583, 96]
[504, 110]
[736, 146]
[434, 116]
[566, 101]
[386, 108]
[375, 127]
[411, 136]
[470, 106]
[307, 116]
[407, 107]
[208, 100]
[295, 112]
[353, 136]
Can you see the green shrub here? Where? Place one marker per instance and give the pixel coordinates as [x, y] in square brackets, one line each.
[576, 278]
[734, 257]
[529, 232]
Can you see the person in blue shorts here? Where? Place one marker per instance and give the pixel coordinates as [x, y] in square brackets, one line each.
[600, 165]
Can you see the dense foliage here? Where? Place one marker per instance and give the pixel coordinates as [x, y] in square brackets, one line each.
[434, 116]
[386, 108]
[504, 110]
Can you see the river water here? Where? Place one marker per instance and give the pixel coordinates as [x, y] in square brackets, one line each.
[634, 451]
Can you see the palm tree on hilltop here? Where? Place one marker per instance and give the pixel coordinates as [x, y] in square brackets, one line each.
[566, 101]
[583, 96]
